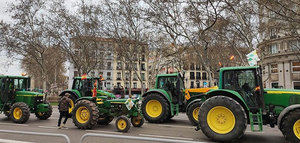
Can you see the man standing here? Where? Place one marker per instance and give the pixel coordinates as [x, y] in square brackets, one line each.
[63, 107]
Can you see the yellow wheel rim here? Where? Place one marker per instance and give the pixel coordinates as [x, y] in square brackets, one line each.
[122, 124]
[153, 108]
[296, 129]
[221, 120]
[17, 113]
[195, 113]
[82, 115]
[72, 106]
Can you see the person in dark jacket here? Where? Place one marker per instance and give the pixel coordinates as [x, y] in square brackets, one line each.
[63, 107]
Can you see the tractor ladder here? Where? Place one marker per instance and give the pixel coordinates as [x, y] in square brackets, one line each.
[256, 121]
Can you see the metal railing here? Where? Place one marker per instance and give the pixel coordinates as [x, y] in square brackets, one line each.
[36, 133]
[135, 138]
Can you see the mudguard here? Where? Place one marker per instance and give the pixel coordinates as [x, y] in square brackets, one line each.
[196, 100]
[284, 112]
[230, 93]
[72, 92]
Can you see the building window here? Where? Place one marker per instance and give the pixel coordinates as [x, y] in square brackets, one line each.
[198, 84]
[134, 85]
[192, 75]
[118, 84]
[274, 85]
[274, 68]
[296, 66]
[273, 49]
[198, 75]
[143, 76]
[296, 84]
[108, 65]
[204, 76]
[119, 76]
[119, 66]
[192, 84]
[294, 45]
[143, 58]
[135, 66]
[108, 86]
[135, 77]
[108, 77]
[198, 67]
[127, 85]
[143, 67]
[127, 76]
[273, 33]
[192, 66]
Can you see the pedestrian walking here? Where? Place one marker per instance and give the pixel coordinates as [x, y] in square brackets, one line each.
[63, 107]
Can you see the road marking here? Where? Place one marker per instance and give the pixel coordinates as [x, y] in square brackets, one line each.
[176, 126]
[97, 131]
[12, 141]
[147, 135]
[14, 124]
[48, 127]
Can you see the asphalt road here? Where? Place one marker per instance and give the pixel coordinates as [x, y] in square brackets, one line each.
[178, 128]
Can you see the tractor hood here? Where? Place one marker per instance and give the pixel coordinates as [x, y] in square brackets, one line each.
[28, 93]
[282, 97]
[105, 93]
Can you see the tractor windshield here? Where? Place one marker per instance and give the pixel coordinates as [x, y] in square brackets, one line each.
[21, 84]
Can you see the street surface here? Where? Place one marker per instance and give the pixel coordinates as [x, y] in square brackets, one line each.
[178, 128]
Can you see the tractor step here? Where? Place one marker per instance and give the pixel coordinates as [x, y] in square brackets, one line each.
[256, 121]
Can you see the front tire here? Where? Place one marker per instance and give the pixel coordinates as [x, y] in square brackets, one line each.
[291, 126]
[122, 124]
[44, 115]
[85, 114]
[155, 108]
[137, 121]
[19, 112]
[222, 119]
[193, 112]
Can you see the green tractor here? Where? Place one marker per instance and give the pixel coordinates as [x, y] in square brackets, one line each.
[241, 100]
[169, 97]
[82, 87]
[92, 111]
[17, 101]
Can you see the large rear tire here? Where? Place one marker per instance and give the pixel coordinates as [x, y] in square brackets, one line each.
[193, 112]
[222, 119]
[44, 115]
[19, 112]
[85, 114]
[291, 126]
[155, 108]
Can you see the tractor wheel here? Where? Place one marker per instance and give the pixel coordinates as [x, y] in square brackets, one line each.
[222, 119]
[122, 124]
[291, 126]
[72, 102]
[193, 112]
[19, 112]
[44, 115]
[105, 120]
[137, 121]
[86, 114]
[155, 108]
[7, 113]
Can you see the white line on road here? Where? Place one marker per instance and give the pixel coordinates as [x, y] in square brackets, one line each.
[48, 127]
[14, 124]
[176, 126]
[104, 132]
[12, 141]
[147, 135]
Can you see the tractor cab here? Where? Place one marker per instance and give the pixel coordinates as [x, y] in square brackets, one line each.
[246, 81]
[11, 84]
[173, 84]
[85, 86]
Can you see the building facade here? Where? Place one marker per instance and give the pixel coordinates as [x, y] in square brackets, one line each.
[279, 51]
[114, 70]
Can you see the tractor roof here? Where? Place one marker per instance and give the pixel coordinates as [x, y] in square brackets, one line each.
[11, 76]
[170, 75]
[238, 68]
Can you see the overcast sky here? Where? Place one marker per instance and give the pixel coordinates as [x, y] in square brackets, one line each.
[11, 66]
